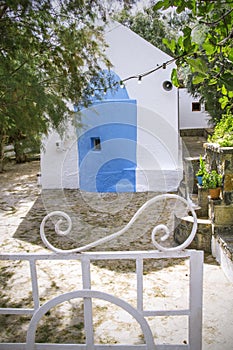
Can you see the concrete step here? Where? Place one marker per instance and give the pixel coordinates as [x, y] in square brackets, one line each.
[194, 145]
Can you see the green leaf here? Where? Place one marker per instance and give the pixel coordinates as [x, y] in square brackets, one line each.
[187, 31]
[187, 43]
[213, 81]
[180, 43]
[174, 78]
[224, 90]
[171, 44]
[198, 79]
[198, 65]
[224, 101]
[209, 48]
[194, 5]
[230, 55]
[181, 7]
[227, 80]
[163, 4]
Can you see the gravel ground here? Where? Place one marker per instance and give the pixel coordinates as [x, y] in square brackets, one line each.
[22, 207]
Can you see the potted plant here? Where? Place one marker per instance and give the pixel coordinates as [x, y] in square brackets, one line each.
[201, 171]
[213, 182]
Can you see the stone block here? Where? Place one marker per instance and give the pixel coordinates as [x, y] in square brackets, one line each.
[223, 214]
[222, 230]
[203, 201]
[228, 197]
[228, 182]
[211, 206]
[202, 239]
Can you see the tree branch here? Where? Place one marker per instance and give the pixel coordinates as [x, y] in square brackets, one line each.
[50, 79]
[21, 65]
[218, 20]
[223, 42]
[3, 10]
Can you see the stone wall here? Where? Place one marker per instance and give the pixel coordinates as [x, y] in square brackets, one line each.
[214, 217]
[221, 159]
[221, 211]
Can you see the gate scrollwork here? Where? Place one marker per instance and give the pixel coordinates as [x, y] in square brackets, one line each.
[64, 218]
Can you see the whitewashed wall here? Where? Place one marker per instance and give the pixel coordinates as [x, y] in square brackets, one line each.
[59, 163]
[189, 119]
[158, 135]
[158, 158]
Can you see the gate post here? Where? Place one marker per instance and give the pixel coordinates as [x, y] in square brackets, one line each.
[195, 300]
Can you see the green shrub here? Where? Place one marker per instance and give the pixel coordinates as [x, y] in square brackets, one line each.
[223, 132]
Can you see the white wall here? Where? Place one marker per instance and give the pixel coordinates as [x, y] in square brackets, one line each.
[158, 157]
[59, 165]
[132, 55]
[189, 119]
[157, 118]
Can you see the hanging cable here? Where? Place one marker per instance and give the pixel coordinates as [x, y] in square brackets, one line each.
[139, 77]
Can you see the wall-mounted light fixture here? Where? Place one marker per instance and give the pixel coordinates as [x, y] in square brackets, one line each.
[167, 85]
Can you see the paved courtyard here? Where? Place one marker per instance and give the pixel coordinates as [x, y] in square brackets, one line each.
[23, 206]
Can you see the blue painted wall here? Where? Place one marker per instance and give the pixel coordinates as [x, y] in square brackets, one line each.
[107, 144]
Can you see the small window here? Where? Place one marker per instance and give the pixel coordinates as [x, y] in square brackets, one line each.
[196, 106]
[95, 143]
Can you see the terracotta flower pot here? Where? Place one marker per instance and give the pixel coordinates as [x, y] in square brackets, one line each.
[214, 192]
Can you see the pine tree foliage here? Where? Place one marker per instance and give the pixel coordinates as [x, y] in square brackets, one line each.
[49, 52]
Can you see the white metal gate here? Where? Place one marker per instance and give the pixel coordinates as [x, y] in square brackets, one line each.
[140, 313]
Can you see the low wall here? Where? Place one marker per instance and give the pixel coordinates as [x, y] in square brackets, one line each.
[223, 253]
[221, 211]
